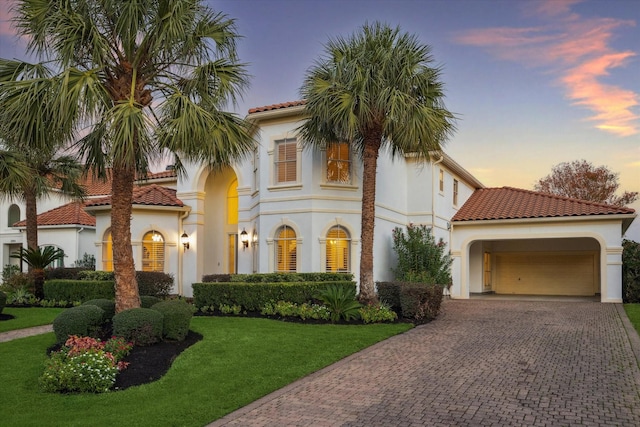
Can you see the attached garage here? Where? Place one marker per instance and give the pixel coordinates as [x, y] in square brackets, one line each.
[519, 242]
[556, 273]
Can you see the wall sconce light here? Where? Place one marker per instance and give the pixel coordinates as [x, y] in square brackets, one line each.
[254, 238]
[184, 239]
[244, 238]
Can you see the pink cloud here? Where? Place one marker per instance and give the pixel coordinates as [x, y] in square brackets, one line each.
[5, 22]
[577, 49]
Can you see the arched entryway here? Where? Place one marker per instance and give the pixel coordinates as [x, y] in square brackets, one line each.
[220, 243]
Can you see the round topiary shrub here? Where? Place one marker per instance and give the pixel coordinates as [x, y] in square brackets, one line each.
[107, 305]
[176, 318]
[3, 300]
[83, 320]
[148, 301]
[141, 326]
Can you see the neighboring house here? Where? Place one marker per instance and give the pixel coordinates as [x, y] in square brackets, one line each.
[286, 209]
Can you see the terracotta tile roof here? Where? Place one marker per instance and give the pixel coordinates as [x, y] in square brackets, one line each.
[151, 195]
[277, 106]
[515, 203]
[97, 186]
[164, 174]
[69, 214]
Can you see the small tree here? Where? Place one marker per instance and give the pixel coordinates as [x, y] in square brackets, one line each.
[630, 271]
[581, 180]
[420, 257]
[39, 259]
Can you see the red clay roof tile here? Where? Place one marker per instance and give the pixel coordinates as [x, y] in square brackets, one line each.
[69, 214]
[516, 203]
[277, 106]
[151, 195]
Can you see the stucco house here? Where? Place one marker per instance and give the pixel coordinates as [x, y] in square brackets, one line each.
[289, 209]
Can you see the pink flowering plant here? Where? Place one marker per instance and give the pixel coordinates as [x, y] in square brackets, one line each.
[85, 364]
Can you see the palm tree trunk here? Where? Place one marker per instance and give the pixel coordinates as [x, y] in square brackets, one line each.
[32, 219]
[126, 286]
[370, 164]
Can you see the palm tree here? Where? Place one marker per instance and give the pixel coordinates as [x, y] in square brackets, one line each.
[32, 143]
[146, 78]
[375, 90]
[38, 259]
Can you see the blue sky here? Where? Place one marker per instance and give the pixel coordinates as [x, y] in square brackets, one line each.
[534, 83]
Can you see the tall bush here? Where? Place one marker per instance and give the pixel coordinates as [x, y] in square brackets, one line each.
[630, 271]
[420, 257]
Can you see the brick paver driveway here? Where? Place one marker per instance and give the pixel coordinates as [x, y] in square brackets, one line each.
[482, 362]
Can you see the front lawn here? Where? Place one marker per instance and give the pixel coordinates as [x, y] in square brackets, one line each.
[28, 317]
[633, 313]
[238, 361]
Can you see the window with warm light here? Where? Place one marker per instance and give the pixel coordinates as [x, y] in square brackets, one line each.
[286, 161]
[232, 202]
[153, 251]
[455, 192]
[441, 181]
[338, 250]
[107, 251]
[339, 163]
[286, 250]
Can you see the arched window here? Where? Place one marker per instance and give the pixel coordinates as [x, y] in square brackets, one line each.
[338, 250]
[107, 251]
[286, 250]
[153, 252]
[14, 215]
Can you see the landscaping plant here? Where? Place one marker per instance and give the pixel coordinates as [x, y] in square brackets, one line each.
[420, 257]
[377, 313]
[341, 302]
[630, 271]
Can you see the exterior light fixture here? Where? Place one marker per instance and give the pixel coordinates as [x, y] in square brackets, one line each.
[254, 238]
[244, 238]
[184, 239]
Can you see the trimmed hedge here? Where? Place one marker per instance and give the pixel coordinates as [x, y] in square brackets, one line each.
[177, 316]
[65, 273]
[83, 320]
[253, 296]
[154, 283]
[419, 302]
[141, 326]
[3, 300]
[147, 301]
[107, 305]
[78, 290]
[278, 277]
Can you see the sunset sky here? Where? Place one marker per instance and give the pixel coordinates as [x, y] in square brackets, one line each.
[533, 83]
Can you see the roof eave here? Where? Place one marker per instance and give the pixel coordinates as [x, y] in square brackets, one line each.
[556, 219]
[276, 113]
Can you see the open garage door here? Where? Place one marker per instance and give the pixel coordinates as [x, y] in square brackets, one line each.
[547, 273]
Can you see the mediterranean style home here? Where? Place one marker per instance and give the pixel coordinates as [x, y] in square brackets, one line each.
[287, 209]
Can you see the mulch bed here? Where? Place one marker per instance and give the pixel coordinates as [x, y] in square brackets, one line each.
[150, 363]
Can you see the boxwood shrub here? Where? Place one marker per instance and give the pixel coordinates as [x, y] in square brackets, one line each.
[147, 301]
[141, 326]
[420, 302]
[176, 318]
[107, 305]
[3, 300]
[253, 296]
[78, 290]
[83, 320]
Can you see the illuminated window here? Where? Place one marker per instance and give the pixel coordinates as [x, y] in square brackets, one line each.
[286, 161]
[153, 252]
[339, 163]
[338, 250]
[107, 251]
[441, 181]
[286, 250]
[14, 215]
[455, 192]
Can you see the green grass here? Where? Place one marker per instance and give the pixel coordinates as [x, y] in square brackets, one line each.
[238, 361]
[28, 317]
[633, 313]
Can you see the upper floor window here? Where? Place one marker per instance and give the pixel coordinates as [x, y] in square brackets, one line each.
[339, 163]
[286, 250]
[441, 181]
[14, 215]
[338, 250]
[152, 251]
[286, 161]
[107, 251]
[455, 192]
